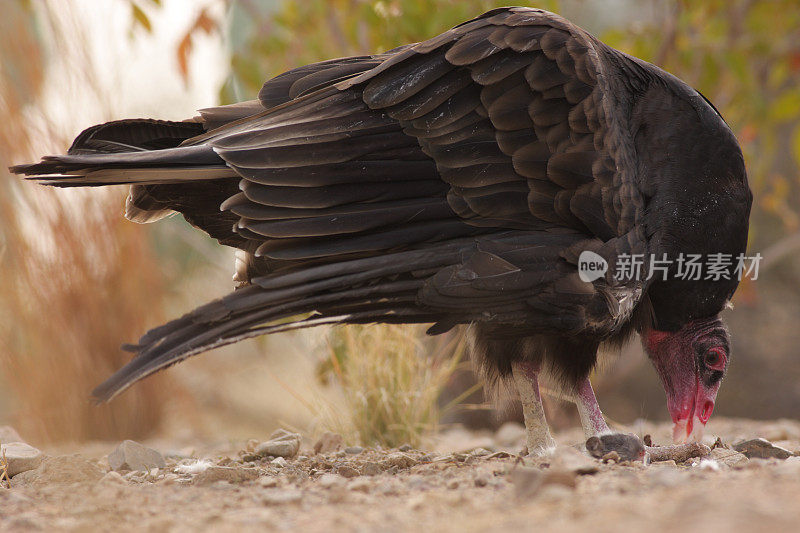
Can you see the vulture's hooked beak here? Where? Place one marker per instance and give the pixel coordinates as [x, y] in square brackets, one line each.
[690, 410]
[691, 374]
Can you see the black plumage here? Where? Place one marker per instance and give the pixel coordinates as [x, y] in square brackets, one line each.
[453, 181]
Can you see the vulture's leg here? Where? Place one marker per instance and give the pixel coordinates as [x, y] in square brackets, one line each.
[600, 439]
[526, 376]
[592, 419]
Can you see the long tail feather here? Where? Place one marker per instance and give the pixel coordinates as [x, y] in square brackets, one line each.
[378, 289]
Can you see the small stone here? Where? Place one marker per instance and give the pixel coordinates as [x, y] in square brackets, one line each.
[371, 469]
[21, 457]
[328, 442]
[481, 480]
[59, 470]
[279, 462]
[360, 485]
[281, 444]
[353, 450]
[281, 497]
[405, 448]
[480, 452]
[347, 471]
[268, 481]
[452, 484]
[510, 434]
[761, 449]
[729, 458]
[9, 434]
[226, 474]
[112, 478]
[131, 455]
[399, 460]
[251, 445]
[667, 464]
[331, 480]
[611, 456]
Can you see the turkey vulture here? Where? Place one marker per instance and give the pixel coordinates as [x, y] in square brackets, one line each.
[454, 181]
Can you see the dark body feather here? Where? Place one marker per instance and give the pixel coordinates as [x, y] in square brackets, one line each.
[453, 181]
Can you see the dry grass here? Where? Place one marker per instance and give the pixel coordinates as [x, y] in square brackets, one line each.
[391, 378]
[77, 279]
[4, 477]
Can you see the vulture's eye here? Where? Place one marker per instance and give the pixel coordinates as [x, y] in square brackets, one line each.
[715, 358]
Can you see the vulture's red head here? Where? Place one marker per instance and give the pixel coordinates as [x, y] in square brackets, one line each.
[691, 363]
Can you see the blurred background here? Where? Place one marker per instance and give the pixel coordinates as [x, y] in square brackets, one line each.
[77, 279]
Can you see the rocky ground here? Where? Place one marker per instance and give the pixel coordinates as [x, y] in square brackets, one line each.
[463, 481]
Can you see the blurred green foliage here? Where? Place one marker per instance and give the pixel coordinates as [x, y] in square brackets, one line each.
[744, 56]
[281, 35]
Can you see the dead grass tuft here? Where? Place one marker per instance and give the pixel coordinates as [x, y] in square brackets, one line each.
[77, 279]
[391, 378]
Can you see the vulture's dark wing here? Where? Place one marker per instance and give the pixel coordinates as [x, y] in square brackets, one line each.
[504, 122]
[451, 181]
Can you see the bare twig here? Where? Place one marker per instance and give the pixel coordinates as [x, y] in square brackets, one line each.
[678, 452]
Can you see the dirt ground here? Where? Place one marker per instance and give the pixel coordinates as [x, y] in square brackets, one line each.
[463, 481]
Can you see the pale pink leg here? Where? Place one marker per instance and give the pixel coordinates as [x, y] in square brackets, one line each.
[539, 440]
[591, 417]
